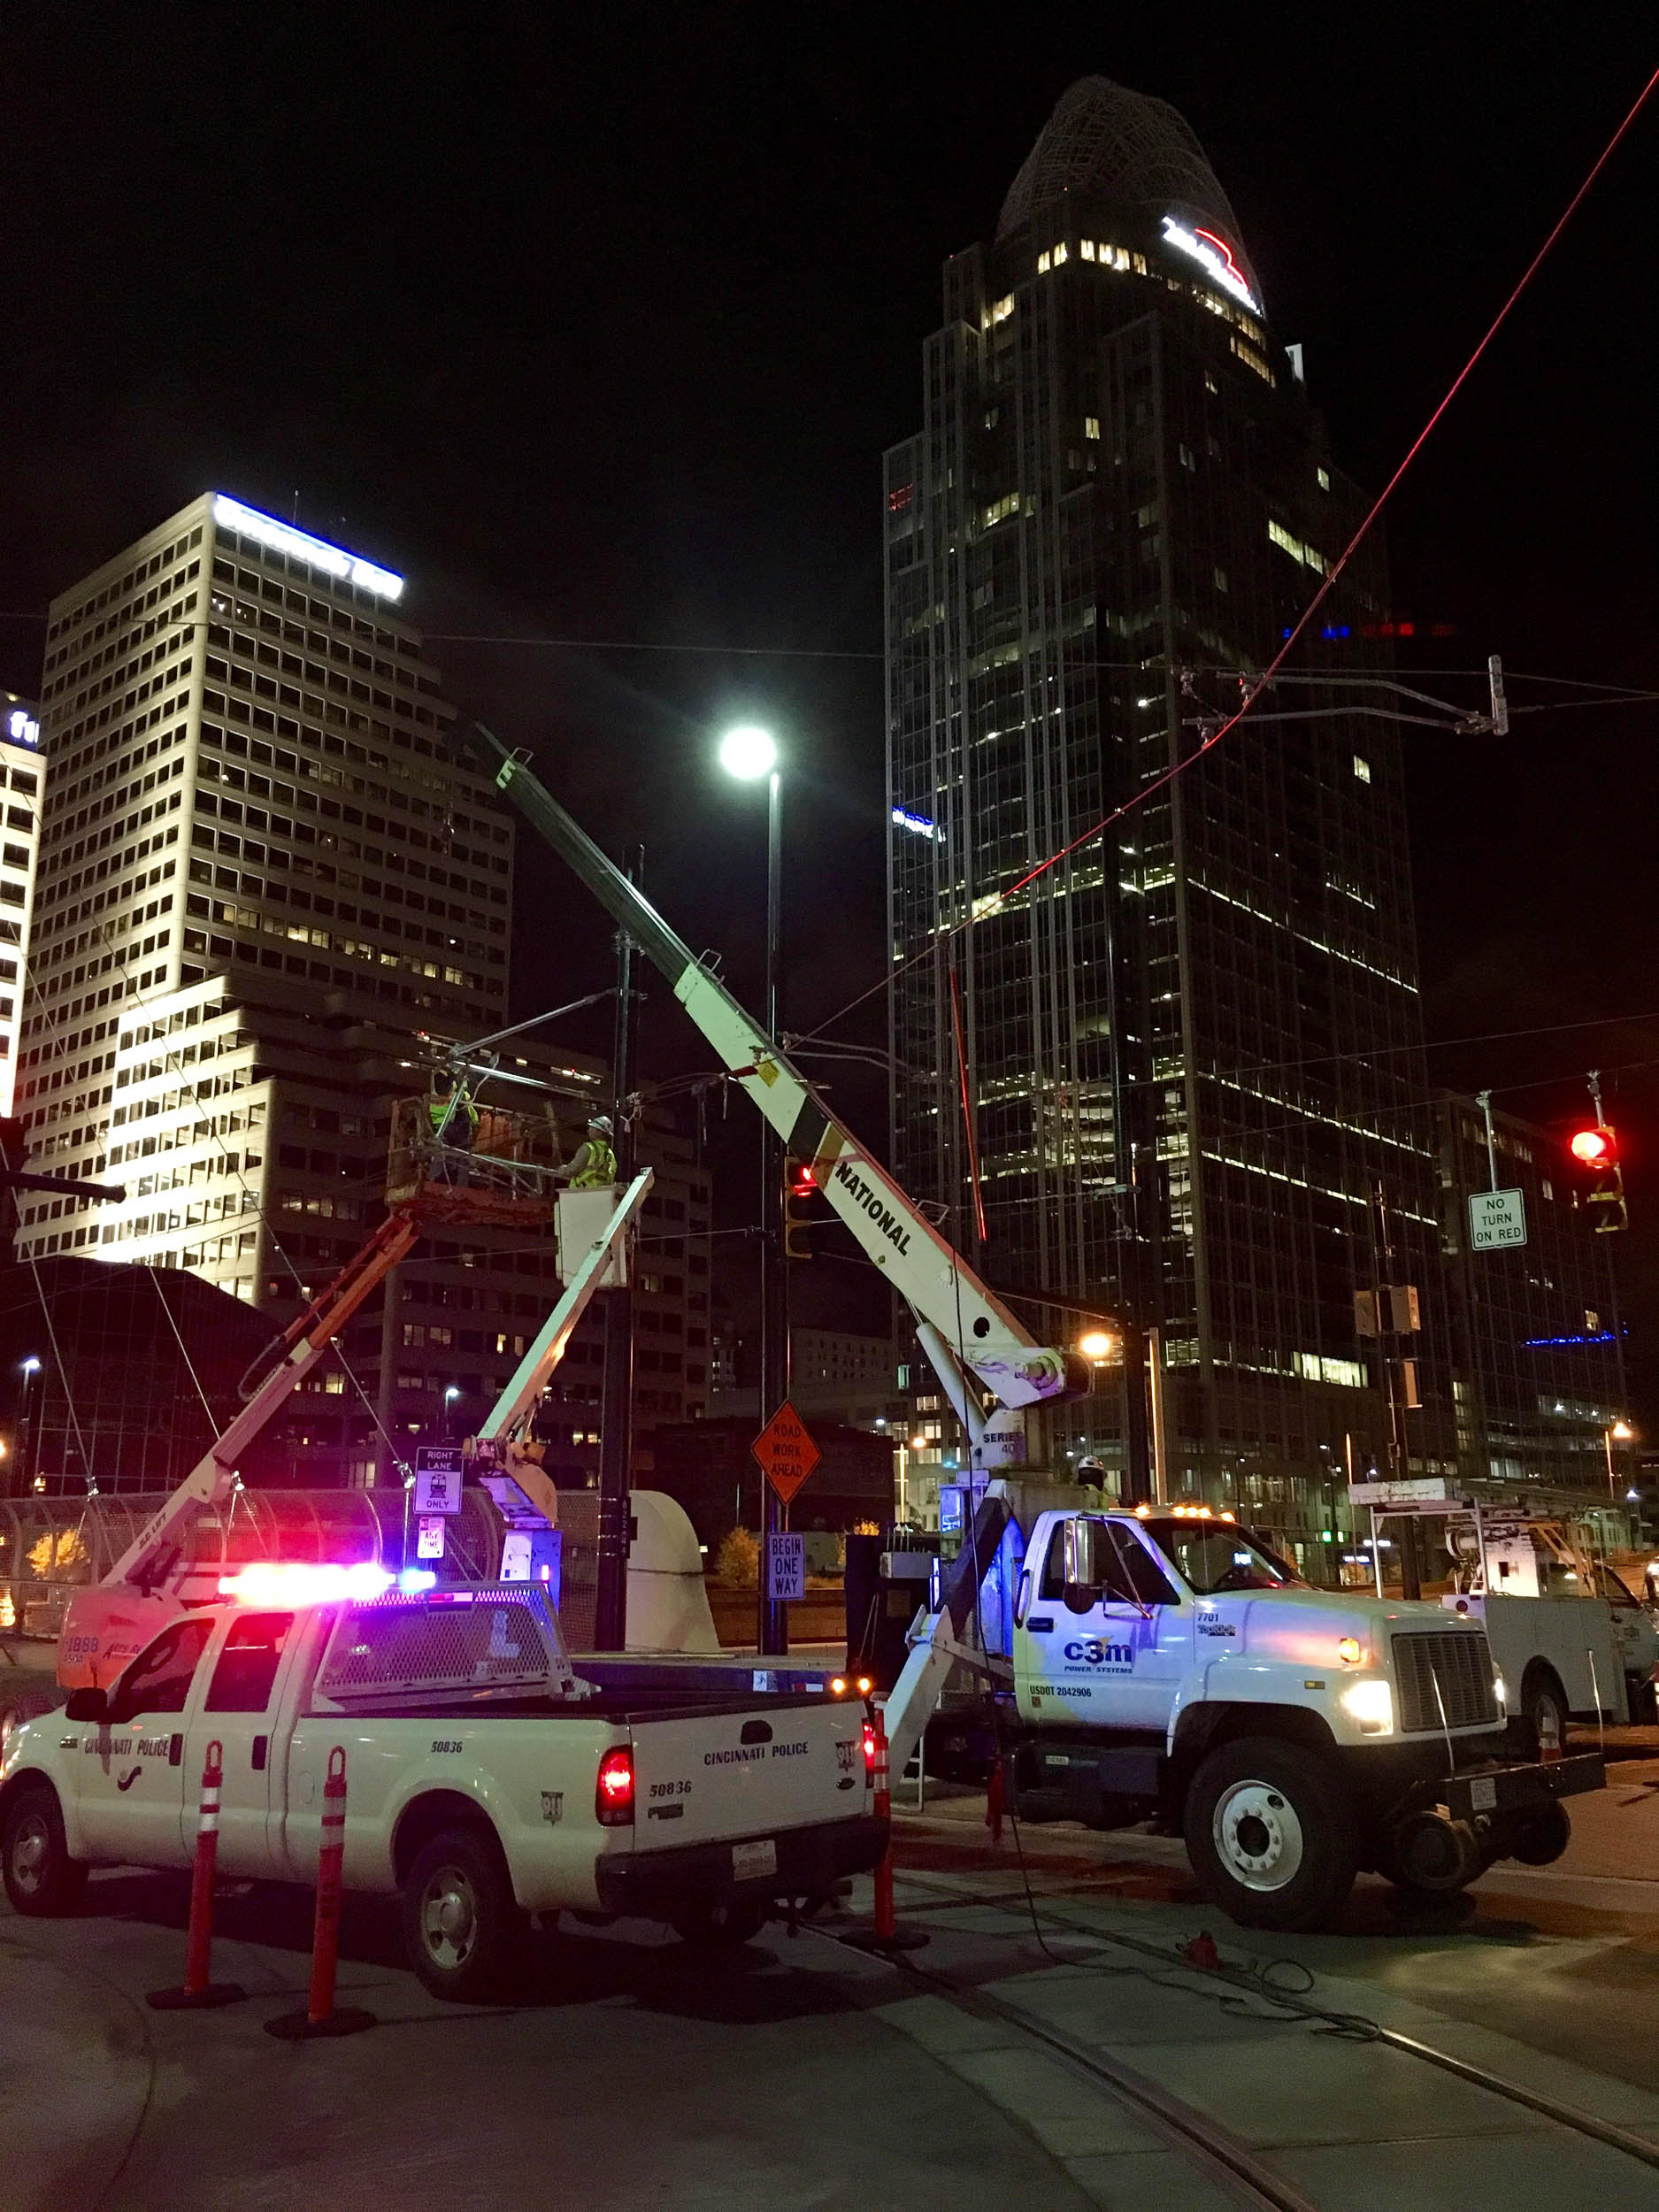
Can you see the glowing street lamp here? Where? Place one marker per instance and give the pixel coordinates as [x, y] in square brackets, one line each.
[748, 752]
[1097, 1346]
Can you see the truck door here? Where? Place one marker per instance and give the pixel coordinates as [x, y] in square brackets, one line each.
[1109, 1651]
[131, 1782]
[237, 1712]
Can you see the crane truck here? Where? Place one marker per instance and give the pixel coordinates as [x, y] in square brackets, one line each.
[1133, 1664]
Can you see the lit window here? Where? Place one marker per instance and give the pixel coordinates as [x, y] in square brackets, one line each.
[1306, 554]
[1045, 260]
[1059, 254]
[1221, 579]
[1085, 247]
[1091, 426]
[1362, 768]
[1324, 479]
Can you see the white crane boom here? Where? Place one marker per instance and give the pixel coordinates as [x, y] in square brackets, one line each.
[936, 1282]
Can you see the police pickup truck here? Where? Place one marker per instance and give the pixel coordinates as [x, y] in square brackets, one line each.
[487, 1780]
[1163, 1665]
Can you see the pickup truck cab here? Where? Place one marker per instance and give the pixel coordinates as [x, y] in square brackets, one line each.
[1166, 1664]
[487, 1780]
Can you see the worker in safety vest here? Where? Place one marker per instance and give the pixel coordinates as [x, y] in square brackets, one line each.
[594, 1165]
[454, 1120]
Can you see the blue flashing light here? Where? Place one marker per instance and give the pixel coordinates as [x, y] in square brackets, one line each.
[414, 1579]
[1544, 1343]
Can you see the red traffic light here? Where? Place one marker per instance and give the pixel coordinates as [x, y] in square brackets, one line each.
[803, 1182]
[1594, 1147]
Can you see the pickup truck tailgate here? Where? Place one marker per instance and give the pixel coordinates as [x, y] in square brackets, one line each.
[718, 1773]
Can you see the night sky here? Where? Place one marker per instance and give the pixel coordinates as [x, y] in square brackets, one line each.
[598, 332]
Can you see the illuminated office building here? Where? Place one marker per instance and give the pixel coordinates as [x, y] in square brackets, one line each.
[20, 771]
[1192, 1045]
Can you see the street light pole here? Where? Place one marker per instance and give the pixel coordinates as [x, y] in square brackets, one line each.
[774, 1625]
[749, 753]
[25, 1442]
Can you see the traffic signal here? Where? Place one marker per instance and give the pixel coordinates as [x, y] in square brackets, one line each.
[1596, 1151]
[800, 1187]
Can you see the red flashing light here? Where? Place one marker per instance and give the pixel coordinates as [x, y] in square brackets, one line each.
[802, 1183]
[870, 1747]
[1594, 1147]
[613, 1794]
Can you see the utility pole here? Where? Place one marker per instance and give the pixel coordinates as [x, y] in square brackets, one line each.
[1391, 1366]
[616, 1444]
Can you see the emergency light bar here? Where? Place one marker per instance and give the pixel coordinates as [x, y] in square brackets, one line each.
[288, 1582]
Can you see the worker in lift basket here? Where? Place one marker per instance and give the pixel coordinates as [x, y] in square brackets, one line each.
[593, 1166]
[454, 1126]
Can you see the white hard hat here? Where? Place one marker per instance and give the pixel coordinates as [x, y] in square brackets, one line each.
[600, 1121]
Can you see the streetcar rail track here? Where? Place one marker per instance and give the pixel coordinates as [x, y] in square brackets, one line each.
[1563, 2115]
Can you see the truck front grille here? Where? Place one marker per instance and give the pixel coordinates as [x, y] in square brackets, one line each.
[1459, 1662]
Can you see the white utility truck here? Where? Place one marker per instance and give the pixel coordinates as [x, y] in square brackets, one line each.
[487, 1780]
[1129, 1667]
[1570, 1639]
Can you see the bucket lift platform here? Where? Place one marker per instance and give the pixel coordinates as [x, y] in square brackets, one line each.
[504, 1177]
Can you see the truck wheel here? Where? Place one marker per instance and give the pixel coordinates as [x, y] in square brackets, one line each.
[1270, 1835]
[721, 1927]
[41, 1879]
[463, 1928]
[1542, 1696]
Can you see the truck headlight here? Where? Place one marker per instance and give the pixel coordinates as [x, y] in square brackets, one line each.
[1370, 1705]
[1498, 1690]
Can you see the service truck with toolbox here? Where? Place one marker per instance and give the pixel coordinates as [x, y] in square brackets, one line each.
[1127, 1668]
[1165, 1665]
[488, 1779]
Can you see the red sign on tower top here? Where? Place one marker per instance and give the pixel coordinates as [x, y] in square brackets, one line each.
[786, 1452]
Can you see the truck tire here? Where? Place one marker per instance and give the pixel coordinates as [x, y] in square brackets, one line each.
[721, 1927]
[42, 1880]
[1541, 1692]
[463, 1927]
[1272, 1835]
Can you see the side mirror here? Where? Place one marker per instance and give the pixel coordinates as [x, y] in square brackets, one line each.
[1084, 1559]
[87, 1705]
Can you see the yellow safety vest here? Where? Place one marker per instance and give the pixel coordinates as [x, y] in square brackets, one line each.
[443, 1110]
[601, 1168]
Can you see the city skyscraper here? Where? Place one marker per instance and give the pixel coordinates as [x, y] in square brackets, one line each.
[20, 778]
[264, 892]
[1191, 1049]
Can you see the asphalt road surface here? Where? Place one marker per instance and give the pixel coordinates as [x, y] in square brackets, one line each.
[1045, 2050]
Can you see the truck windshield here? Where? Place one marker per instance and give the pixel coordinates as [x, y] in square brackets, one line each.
[1211, 1556]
